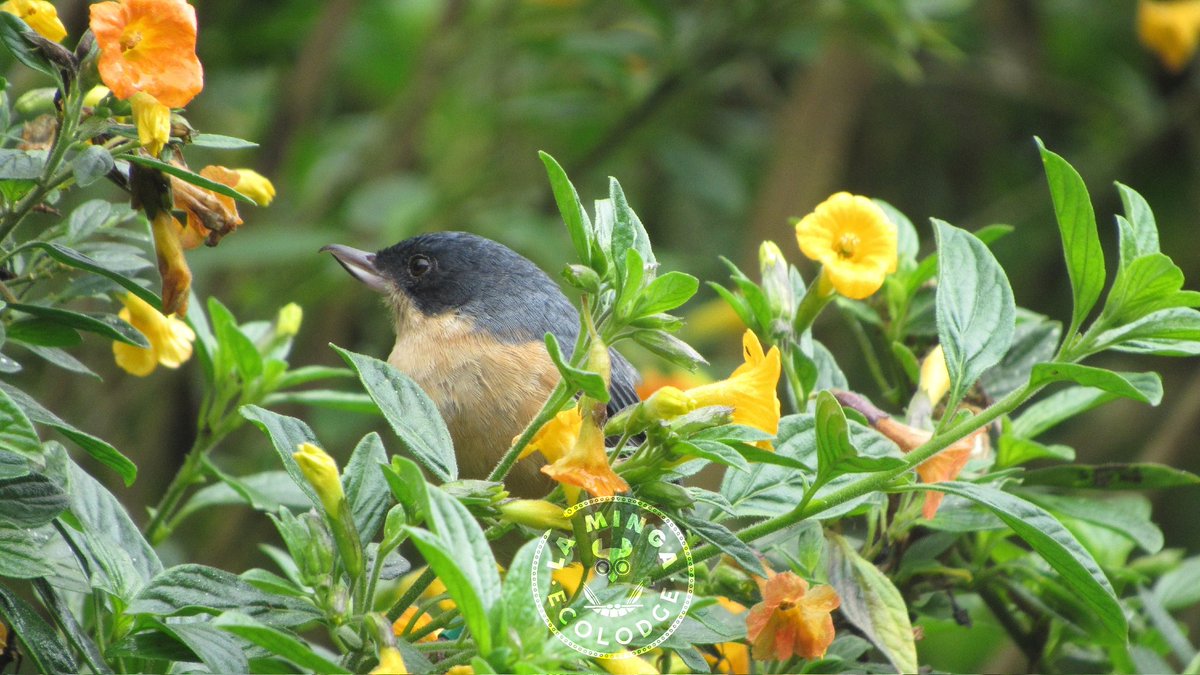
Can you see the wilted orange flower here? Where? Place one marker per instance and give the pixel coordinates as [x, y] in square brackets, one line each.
[750, 390]
[946, 465]
[1171, 30]
[853, 240]
[210, 216]
[400, 626]
[170, 339]
[172, 266]
[791, 620]
[575, 452]
[148, 46]
[38, 15]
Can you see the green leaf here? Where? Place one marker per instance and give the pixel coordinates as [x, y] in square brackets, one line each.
[573, 214]
[1127, 515]
[347, 401]
[408, 486]
[189, 177]
[20, 40]
[1077, 225]
[628, 231]
[282, 643]
[190, 589]
[975, 309]
[591, 384]
[91, 165]
[1015, 451]
[1144, 387]
[221, 651]
[23, 551]
[720, 536]
[1059, 406]
[308, 374]
[266, 491]
[231, 340]
[1148, 284]
[1167, 329]
[1056, 545]
[99, 449]
[30, 500]
[43, 333]
[871, 602]
[411, 413]
[1179, 588]
[16, 432]
[1136, 476]
[107, 325]
[220, 142]
[666, 293]
[104, 518]
[670, 348]
[39, 640]
[457, 550]
[521, 623]
[12, 465]
[73, 258]
[908, 244]
[1138, 231]
[833, 436]
[1034, 342]
[366, 489]
[287, 434]
[713, 452]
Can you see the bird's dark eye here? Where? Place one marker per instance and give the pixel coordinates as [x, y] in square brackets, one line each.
[419, 265]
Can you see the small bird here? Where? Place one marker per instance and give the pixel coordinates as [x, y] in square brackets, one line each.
[470, 316]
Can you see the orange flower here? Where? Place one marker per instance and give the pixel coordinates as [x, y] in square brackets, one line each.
[172, 266]
[791, 620]
[210, 216]
[400, 627]
[576, 454]
[148, 46]
[946, 465]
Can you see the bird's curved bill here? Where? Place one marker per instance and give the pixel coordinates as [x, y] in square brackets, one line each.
[360, 265]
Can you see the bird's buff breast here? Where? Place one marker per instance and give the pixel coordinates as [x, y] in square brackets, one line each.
[486, 390]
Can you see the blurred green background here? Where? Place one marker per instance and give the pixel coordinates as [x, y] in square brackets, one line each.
[380, 119]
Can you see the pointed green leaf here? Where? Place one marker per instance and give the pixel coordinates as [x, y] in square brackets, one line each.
[409, 410]
[1139, 232]
[284, 644]
[39, 640]
[1137, 476]
[976, 313]
[872, 603]
[591, 384]
[573, 214]
[1144, 387]
[189, 177]
[366, 489]
[1077, 225]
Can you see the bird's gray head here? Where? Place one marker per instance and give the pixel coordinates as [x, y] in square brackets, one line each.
[463, 273]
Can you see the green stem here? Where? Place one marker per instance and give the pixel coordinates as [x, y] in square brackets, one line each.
[871, 482]
[193, 467]
[795, 391]
[414, 591]
[558, 398]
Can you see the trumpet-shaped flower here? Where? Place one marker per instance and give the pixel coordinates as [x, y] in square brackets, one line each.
[210, 216]
[946, 465]
[170, 339]
[792, 619]
[750, 390]
[39, 15]
[574, 448]
[853, 240]
[321, 472]
[1170, 29]
[172, 266]
[148, 46]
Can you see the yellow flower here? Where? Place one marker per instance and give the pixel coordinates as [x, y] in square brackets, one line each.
[556, 437]
[853, 240]
[321, 471]
[400, 626]
[172, 266]
[750, 390]
[170, 339]
[390, 662]
[791, 620]
[935, 380]
[39, 15]
[148, 46]
[625, 663]
[462, 669]
[287, 323]
[153, 121]
[585, 464]
[1170, 29]
[535, 513]
[731, 657]
[255, 186]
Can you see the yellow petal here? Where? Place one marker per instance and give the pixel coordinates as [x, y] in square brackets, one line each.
[321, 471]
[750, 390]
[256, 186]
[935, 379]
[586, 464]
[556, 437]
[172, 266]
[95, 95]
[390, 662]
[170, 338]
[133, 359]
[287, 323]
[39, 15]
[153, 120]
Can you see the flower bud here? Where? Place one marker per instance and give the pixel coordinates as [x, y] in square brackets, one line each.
[95, 95]
[36, 102]
[255, 186]
[582, 277]
[935, 380]
[535, 513]
[287, 323]
[599, 360]
[321, 471]
[668, 403]
[776, 283]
